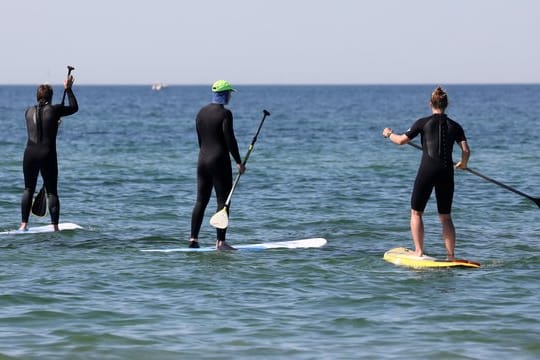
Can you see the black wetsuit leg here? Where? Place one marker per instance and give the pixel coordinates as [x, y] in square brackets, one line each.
[49, 172]
[423, 186]
[223, 185]
[40, 159]
[204, 191]
[31, 165]
[211, 175]
[431, 176]
[444, 191]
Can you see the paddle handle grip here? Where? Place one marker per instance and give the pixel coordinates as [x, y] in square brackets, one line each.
[254, 140]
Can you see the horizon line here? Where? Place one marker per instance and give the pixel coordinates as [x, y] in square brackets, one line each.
[285, 84]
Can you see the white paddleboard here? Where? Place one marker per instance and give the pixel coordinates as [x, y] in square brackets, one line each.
[294, 244]
[42, 229]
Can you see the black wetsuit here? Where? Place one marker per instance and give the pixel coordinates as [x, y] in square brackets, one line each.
[216, 140]
[40, 154]
[438, 134]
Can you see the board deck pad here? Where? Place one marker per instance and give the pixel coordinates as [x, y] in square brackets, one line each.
[405, 257]
[42, 229]
[294, 244]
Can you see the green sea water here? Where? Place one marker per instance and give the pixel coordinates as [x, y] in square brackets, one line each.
[320, 168]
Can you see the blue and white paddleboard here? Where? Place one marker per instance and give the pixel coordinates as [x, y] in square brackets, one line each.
[294, 244]
[42, 229]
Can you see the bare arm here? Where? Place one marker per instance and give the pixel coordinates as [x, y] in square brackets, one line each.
[465, 154]
[395, 138]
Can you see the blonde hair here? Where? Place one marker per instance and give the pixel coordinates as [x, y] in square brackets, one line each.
[439, 99]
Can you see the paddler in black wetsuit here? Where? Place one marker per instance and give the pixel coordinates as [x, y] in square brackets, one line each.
[438, 133]
[42, 123]
[216, 137]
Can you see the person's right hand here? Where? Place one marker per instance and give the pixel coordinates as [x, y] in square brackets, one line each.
[241, 168]
[69, 82]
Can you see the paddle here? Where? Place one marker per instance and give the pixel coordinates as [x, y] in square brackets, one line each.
[39, 205]
[535, 200]
[220, 219]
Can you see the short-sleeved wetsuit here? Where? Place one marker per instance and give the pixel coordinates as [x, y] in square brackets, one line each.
[216, 140]
[42, 123]
[438, 134]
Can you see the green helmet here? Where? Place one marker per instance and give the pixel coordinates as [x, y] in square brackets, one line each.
[222, 85]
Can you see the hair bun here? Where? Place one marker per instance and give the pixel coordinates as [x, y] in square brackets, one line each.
[439, 99]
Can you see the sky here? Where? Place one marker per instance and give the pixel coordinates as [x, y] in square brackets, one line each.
[270, 41]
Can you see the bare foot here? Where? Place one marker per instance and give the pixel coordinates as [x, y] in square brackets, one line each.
[23, 227]
[222, 245]
[418, 253]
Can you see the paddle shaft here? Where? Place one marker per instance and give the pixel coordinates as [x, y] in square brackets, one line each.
[70, 68]
[250, 148]
[507, 187]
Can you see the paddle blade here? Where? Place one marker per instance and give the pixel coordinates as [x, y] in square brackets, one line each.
[39, 206]
[220, 219]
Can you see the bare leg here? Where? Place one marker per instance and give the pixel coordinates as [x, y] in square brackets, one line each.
[417, 232]
[448, 234]
[222, 245]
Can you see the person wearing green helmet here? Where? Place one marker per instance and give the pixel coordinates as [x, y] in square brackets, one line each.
[215, 133]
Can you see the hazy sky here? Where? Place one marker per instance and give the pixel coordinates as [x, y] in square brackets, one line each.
[271, 42]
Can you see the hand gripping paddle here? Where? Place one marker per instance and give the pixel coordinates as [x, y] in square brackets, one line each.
[70, 69]
[220, 219]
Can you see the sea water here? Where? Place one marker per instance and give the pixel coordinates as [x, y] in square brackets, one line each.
[320, 168]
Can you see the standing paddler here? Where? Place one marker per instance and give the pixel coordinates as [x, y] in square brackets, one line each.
[215, 133]
[438, 134]
[42, 121]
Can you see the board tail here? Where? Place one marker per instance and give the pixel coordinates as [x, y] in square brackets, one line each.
[39, 206]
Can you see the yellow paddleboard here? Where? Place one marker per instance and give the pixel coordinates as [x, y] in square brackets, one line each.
[405, 257]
